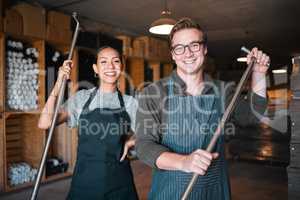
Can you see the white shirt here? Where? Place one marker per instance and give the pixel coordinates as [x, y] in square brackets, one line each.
[75, 103]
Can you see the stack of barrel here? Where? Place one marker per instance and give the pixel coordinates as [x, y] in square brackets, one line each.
[294, 167]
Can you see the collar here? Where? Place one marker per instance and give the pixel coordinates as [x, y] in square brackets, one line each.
[178, 81]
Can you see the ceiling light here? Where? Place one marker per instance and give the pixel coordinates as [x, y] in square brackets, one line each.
[164, 24]
[242, 59]
[279, 71]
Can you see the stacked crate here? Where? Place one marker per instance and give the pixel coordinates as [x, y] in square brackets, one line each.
[151, 48]
[127, 44]
[1, 15]
[23, 72]
[294, 167]
[58, 27]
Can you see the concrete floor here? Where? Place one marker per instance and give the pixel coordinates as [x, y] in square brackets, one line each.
[248, 181]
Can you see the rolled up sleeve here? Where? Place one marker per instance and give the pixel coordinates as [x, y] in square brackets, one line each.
[249, 109]
[148, 123]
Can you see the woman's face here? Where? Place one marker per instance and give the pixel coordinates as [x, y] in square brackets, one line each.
[108, 66]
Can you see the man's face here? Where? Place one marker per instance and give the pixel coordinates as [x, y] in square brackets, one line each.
[189, 62]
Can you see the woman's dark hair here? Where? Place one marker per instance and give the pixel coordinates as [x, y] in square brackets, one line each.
[107, 47]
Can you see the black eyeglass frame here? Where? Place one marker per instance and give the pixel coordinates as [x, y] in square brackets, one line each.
[201, 43]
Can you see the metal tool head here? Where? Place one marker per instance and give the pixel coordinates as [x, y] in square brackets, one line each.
[74, 15]
[244, 49]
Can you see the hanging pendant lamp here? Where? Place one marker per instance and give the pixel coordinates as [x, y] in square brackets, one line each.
[164, 24]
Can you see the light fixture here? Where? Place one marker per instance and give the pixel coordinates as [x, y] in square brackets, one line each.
[242, 59]
[164, 24]
[279, 71]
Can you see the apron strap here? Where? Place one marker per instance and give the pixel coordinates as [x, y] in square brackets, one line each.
[170, 87]
[121, 100]
[92, 95]
[124, 113]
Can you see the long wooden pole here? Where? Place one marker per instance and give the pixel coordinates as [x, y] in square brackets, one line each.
[225, 117]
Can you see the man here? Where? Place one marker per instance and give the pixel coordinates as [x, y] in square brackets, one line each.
[178, 115]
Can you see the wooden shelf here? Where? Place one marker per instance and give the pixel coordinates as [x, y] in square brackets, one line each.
[18, 187]
[20, 138]
[58, 176]
[44, 180]
[33, 112]
[2, 71]
[40, 46]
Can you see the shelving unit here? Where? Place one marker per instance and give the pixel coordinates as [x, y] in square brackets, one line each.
[40, 46]
[23, 143]
[2, 161]
[20, 138]
[2, 76]
[2, 132]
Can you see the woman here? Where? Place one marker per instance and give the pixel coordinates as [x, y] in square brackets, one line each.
[101, 172]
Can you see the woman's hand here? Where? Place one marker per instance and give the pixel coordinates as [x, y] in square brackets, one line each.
[65, 70]
[128, 145]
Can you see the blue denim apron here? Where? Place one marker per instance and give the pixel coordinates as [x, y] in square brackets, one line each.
[191, 122]
[98, 174]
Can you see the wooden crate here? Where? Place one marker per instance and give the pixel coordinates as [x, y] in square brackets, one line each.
[138, 48]
[40, 46]
[20, 139]
[57, 35]
[2, 161]
[58, 27]
[127, 45]
[13, 22]
[64, 141]
[19, 136]
[64, 48]
[59, 20]
[1, 15]
[135, 68]
[1, 23]
[24, 142]
[123, 77]
[167, 69]
[2, 71]
[155, 66]
[151, 48]
[61, 145]
[34, 20]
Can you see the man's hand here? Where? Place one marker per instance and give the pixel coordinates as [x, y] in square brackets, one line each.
[262, 60]
[259, 71]
[198, 161]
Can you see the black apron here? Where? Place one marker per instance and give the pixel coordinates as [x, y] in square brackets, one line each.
[98, 173]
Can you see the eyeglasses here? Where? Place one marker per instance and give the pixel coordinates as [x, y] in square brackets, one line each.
[179, 49]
